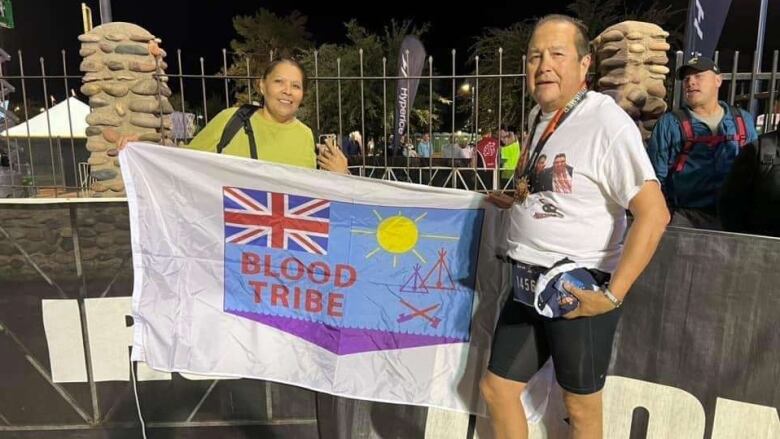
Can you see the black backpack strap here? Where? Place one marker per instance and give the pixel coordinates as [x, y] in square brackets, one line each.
[240, 119]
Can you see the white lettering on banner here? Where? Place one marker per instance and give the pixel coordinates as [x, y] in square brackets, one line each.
[62, 325]
[109, 340]
[673, 412]
[109, 337]
[403, 95]
[697, 21]
[740, 419]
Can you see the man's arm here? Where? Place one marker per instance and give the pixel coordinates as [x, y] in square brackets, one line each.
[650, 219]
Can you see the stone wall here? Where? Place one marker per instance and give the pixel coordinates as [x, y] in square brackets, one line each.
[46, 234]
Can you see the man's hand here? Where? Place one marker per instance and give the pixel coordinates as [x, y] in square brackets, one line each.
[592, 303]
[500, 200]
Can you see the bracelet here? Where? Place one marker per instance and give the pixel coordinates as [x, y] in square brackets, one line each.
[611, 297]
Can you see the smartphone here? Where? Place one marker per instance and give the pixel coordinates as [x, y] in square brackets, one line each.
[324, 139]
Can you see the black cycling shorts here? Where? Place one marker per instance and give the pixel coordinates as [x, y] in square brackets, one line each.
[580, 348]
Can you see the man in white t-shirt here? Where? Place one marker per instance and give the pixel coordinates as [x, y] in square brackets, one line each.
[574, 209]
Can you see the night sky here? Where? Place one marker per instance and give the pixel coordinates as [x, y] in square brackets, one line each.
[45, 27]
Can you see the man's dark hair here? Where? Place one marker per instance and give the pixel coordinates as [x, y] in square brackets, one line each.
[581, 41]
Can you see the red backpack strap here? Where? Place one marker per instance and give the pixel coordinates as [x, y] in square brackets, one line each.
[741, 127]
[686, 128]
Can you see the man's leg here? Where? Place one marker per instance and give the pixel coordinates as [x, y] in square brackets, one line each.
[581, 349]
[585, 415]
[507, 415]
[519, 350]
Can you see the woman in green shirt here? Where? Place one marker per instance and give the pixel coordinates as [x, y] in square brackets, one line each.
[280, 137]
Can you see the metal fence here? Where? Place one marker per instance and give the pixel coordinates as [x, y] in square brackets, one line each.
[43, 164]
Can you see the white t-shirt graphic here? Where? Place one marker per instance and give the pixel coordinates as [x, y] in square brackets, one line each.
[595, 164]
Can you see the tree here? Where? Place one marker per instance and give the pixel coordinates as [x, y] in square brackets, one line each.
[261, 37]
[330, 60]
[597, 16]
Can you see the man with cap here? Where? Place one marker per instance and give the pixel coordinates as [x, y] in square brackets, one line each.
[692, 149]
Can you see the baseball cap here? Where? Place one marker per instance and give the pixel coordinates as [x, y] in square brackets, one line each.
[699, 64]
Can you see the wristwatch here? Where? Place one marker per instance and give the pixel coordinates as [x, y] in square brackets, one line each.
[611, 297]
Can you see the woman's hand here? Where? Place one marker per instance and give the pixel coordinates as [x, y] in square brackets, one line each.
[123, 140]
[331, 158]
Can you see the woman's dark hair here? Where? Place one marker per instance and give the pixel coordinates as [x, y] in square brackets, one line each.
[285, 60]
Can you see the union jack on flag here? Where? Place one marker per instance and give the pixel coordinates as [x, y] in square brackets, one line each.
[276, 220]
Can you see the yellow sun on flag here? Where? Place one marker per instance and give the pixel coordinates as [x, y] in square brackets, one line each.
[397, 235]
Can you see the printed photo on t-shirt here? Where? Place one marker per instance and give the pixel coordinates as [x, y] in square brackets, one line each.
[558, 177]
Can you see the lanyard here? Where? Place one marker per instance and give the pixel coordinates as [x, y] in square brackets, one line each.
[528, 163]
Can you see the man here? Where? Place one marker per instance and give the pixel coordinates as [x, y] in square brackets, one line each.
[610, 172]
[464, 150]
[487, 150]
[692, 149]
[424, 146]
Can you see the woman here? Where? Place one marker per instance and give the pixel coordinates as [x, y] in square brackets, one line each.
[279, 136]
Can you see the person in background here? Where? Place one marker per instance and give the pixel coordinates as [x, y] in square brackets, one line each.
[487, 150]
[424, 146]
[692, 149]
[510, 153]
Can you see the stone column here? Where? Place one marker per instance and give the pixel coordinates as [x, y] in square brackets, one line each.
[128, 94]
[631, 61]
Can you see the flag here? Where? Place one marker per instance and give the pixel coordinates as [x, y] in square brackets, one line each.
[276, 220]
[356, 287]
[411, 59]
[703, 26]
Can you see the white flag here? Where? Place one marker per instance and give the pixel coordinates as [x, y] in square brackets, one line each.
[352, 286]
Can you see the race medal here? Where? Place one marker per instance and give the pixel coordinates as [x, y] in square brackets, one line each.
[521, 189]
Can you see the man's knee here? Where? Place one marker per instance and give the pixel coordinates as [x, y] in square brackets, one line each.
[583, 409]
[499, 390]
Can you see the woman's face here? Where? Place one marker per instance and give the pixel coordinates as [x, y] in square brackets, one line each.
[283, 91]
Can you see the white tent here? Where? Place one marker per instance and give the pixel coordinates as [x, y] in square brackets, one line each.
[58, 118]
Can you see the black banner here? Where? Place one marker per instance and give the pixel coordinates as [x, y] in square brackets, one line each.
[411, 59]
[696, 354]
[705, 22]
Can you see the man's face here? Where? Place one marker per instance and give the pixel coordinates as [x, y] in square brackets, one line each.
[559, 164]
[426, 138]
[555, 71]
[701, 88]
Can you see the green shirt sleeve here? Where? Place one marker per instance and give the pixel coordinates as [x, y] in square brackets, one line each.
[208, 138]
